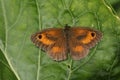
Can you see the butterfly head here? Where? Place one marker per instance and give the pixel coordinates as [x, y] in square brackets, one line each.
[67, 27]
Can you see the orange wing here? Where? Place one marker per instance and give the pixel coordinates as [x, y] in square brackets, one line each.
[52, 41]
[81, 40]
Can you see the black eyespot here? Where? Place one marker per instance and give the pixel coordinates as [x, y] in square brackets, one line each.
[39, 36]
[92, 34]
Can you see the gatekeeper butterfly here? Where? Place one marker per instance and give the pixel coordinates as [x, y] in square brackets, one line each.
[57, 42]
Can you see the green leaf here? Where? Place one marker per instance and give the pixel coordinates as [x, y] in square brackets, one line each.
[5, 71]
[21, 18]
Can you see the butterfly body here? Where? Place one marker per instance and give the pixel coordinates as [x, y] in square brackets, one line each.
[57, 42]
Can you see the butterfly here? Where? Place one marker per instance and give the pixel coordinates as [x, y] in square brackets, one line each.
[59, 42]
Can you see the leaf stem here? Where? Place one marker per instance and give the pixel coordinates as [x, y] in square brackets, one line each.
[40, 27]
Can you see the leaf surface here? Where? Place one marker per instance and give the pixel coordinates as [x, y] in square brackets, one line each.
[21, 18]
